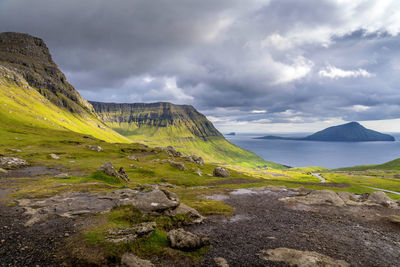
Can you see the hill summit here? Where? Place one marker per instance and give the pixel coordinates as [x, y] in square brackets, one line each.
[29, 56]
[349, 132]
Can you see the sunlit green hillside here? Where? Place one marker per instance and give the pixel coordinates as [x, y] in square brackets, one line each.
[182, 126]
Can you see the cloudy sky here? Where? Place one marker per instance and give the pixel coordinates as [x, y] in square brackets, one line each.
[250, 66]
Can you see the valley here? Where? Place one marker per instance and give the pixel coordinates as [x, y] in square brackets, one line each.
[102, 184]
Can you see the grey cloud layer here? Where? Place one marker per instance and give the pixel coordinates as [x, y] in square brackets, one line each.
[226, 57]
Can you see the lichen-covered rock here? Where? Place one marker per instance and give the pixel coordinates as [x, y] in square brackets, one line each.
[130, 260]
[129, 234]
[299, 258]
[172, 152]
[221, 172]
[183, 209]
[183, 240]
[318, 197]
[178, 165]
[109, 169]
[9, 163]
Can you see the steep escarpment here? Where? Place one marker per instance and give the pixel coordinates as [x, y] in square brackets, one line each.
[30, 57]
[35, 95]
[159, 115]
[181, 126]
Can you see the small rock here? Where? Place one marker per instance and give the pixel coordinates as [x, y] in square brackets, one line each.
[54, 156]
[62, 175]
[221, 262]
[122, 174]
[131, 157]
[133, 166]
[130, 260]
[172, 152]
[3, 170]
[186, 210]
[95, 148]
[109, 169]
[66, 235]
[183, 240]
[221, 172]
[12, 163]
[299, 258]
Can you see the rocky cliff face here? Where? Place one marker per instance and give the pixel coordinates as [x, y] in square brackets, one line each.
[30, 57]
[157, 115]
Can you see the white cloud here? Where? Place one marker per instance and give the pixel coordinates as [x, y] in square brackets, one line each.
[335, 73]
[358, 108]
[259, 111]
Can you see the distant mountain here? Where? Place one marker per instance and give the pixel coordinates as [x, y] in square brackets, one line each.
[349, 132]
[181, 126]
[231, 133]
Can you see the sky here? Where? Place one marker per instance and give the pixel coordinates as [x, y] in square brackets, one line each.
[249, 66]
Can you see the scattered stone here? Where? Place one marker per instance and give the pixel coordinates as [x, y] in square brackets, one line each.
[155, 160]
[221, 172]
[221, 262]
[12, 163]
[95, 148]
[197, 171]
[63, 175]
[133, 166]
[318, 197]
[299, 258]
[178, 165]
[130, 260]
[183, 209]
[183, 240]
[15, 150]
[195, 159]
[380, 198]
[66, 235]
[109, 169]
[129, 234]
[131, 157]
[54, 156]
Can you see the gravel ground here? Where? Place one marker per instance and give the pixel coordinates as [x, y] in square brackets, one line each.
[30, 246]
[362, 236]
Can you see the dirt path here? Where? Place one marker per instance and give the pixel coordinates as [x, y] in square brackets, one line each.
[357, 235]
[318, 175]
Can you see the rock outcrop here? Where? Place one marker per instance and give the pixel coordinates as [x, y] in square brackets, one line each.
[109, 169]
[10, 163]
[183, 240]
[221, 172]
[299, 258]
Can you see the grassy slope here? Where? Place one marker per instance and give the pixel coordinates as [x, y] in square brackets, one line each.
[24, 106]
[391, 165]
[213, 149]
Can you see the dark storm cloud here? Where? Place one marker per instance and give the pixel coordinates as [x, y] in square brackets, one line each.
[263, 61]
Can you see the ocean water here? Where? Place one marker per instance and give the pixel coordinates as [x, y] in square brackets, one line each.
[325, 154]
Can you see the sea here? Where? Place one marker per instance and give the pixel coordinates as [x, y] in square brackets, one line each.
[315, 153]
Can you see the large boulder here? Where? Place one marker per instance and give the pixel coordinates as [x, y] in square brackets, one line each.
[183, 240]
[299, 258]
[318, 197]
[129, 234]
[380, 198]
[150, 201]
[221, 172]
[131, 260]
[109, 169]
[12, 163]
[172, 152]
[183, 209]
